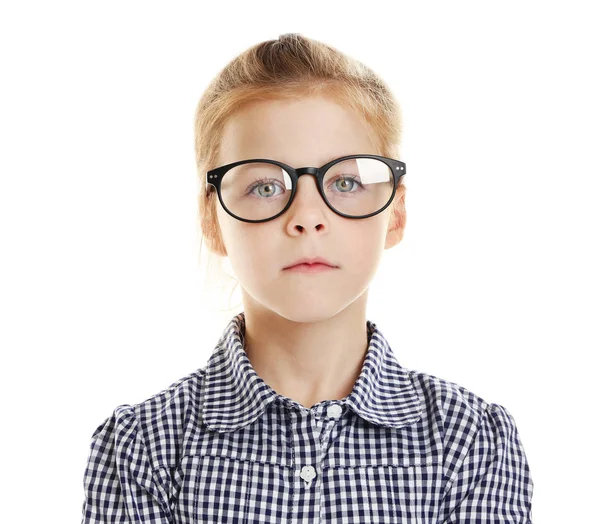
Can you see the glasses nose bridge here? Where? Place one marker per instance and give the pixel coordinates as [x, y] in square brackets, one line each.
[314, 171]
[307, 171]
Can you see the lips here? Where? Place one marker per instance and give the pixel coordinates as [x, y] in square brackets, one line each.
[310, 268]
[315, 261]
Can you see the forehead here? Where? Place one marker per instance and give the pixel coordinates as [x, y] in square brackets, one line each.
[305, 131]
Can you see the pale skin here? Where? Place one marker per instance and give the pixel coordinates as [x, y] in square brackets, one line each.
[305, 333]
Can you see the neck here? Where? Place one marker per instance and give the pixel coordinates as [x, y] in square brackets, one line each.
[307, 361]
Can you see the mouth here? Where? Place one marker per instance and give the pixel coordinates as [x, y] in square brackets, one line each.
[310, 268]
[311, 261]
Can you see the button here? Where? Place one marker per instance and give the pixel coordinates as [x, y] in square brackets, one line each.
[308, 473]
[334, 411]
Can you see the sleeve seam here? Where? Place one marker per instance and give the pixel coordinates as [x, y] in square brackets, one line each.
[452, 478]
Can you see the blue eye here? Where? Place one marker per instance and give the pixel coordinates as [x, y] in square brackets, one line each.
[261, 182]
[351, 178]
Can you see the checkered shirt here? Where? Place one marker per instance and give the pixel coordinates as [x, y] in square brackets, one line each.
[221, 446]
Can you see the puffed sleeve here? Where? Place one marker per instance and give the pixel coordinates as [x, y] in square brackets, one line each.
[492, 484]
[120, 484]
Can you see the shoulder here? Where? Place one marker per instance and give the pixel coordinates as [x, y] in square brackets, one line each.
[446, 398]
[461, 419]
[161, 422]
[169, 405]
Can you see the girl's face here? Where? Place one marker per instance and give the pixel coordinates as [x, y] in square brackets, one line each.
[305, 132]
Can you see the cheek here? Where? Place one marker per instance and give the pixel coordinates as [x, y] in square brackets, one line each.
[249, 248]
[370, 233]
[366, 244]
[231, 231]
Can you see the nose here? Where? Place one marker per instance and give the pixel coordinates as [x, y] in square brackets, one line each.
[305, 181]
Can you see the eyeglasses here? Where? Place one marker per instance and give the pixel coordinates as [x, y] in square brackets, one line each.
[259, 189]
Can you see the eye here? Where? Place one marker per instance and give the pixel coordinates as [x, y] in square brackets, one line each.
[348, 179]
[263, 182]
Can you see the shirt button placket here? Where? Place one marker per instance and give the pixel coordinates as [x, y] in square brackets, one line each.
[332, 414]
[334, 411]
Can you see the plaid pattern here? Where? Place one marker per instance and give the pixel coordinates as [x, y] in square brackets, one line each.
[220, 445]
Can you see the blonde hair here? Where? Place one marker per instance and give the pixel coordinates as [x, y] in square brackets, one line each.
[291, 66]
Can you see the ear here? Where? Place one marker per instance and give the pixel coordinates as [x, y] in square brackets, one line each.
[397, 219]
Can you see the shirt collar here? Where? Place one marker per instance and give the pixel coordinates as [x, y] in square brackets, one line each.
[235, 395]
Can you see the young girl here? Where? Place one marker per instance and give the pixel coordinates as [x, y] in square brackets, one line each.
[303, 413]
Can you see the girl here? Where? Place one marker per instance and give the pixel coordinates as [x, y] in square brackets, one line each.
[302, 413]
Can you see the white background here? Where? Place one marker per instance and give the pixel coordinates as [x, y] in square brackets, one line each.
[495, 285]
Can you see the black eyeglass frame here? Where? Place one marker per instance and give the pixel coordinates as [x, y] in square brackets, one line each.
[214, 177]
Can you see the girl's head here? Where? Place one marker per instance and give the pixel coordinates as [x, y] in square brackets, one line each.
[303, 103]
